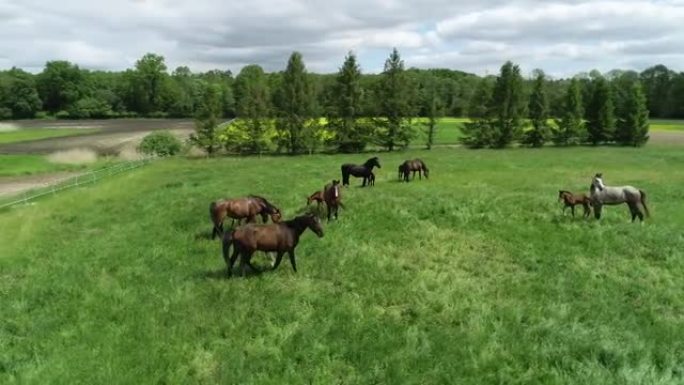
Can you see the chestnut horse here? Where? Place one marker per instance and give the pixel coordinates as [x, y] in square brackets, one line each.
[415, 165]
[248, 207]
[280, 237]
[316, 197]
[570, 200]
[333, 197]
[356, 170]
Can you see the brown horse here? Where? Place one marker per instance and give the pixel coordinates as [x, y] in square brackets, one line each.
[415, 165]
[241, 208]
[280, 237]
[333, 197]
[316, 197]
[571, 200]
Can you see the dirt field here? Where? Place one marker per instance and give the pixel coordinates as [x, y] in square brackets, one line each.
[16, 185]
[114, 135]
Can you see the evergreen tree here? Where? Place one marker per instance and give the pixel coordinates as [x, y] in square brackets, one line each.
[345, 107]
[395, 104]
[600, 113]
[433, 108]
[207, 119]
[633, 125]
[539, 113]
[570, 127]
[295, 103]
[478, 133]
[508, 106]
[253, 108]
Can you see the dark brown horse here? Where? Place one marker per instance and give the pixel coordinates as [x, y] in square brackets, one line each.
[414, 165]
[570, 200]
[332, 193]
[280, 237]
[241, 208]
[358, 171]
[316, 197]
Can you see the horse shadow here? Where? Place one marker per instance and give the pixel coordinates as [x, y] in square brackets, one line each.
[220, 274]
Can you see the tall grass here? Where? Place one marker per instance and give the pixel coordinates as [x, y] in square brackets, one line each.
[471, 277]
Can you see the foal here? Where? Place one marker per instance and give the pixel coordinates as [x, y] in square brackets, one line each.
[571, 200]
[333, 197]
[316, 197]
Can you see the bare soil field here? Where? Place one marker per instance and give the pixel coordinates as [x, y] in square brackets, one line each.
[16, 185]
[112, 137]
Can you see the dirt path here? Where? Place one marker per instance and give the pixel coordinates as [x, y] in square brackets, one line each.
[15, 185]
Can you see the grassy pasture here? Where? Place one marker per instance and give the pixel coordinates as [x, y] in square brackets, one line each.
[16, 165]
[26, 135]
[472, 277]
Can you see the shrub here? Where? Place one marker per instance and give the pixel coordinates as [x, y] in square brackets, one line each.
[160, 143]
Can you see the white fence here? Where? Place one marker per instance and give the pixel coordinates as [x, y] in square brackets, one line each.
[79, 180]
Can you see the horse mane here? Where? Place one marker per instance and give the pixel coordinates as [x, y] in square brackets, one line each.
[564, 192]
[265, 202]
[371, 160]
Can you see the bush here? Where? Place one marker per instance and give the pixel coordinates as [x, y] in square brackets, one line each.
[62, 115]
[160, 143]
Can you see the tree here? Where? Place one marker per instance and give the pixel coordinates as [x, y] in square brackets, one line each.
[60, 85]
[433, 108]
[508, 106]
[344, 107]
[600, 113]
[147, 84]
[633, 124]
[253, 108]
[18, 96]
[395, 104]
[295, 103]
[539, 113]
[478, 132]
[657, 81]
[570, 127]
[207, 119]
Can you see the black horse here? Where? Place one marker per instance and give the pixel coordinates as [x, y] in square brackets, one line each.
[356, 170]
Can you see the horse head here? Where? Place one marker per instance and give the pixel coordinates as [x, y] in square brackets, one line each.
[314, 224]
[597, 182]
[373, 162]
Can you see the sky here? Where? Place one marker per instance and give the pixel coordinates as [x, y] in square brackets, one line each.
[561, 37]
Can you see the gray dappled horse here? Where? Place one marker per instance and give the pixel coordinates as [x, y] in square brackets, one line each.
[613, 195]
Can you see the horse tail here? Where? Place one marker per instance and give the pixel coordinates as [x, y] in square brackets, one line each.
[213, 217]
[227, 241]
[345, 174]
[643, 202]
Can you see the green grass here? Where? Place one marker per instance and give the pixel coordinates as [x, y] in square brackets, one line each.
[26, 135]
[472, 277]
[18, 165]
[667, 125]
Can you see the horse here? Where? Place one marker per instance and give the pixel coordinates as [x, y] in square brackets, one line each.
[333, 198]
[614, 195]
[279, 237]
[363, 170]
[316, 197]
[400, 174]
[571, 200]
[239, 208]
[371, 179]
[415, 165]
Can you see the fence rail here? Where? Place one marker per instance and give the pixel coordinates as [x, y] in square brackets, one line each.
[78, 180]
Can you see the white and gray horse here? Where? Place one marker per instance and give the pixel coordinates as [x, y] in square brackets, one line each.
[613, 195]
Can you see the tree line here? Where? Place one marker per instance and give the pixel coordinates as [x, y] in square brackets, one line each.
[297, 111]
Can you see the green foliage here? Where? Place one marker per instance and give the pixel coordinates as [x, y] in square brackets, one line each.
[160, 143]
[395, 96]
[432, 106]
[90, 108]
[18, 94]
[116, 283]
[570, 127]
[207, 120]
[295, 104]
[633, 125]
[539, 114]
[600, 113]
[61, 85]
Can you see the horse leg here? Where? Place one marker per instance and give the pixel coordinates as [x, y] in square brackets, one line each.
[572, 208]
[329, 211]
[420, 175]
[587, 211]
[279, 258]
[233, 258]
[292, 260]
[337, 208]
[597, 211]
[245, 260]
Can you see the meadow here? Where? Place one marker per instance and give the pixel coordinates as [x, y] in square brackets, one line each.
[471, 277]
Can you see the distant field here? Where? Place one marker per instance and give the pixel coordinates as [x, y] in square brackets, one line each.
[667, 125]
[17, 165]
[25, 135]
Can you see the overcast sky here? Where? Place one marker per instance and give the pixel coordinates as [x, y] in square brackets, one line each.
[561, 37]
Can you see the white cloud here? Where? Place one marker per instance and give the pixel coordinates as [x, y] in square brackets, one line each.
[562, 37]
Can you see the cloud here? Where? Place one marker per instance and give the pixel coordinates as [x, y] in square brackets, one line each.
[562, 37]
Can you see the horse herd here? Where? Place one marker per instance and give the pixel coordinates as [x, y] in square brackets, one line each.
[283, 236]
